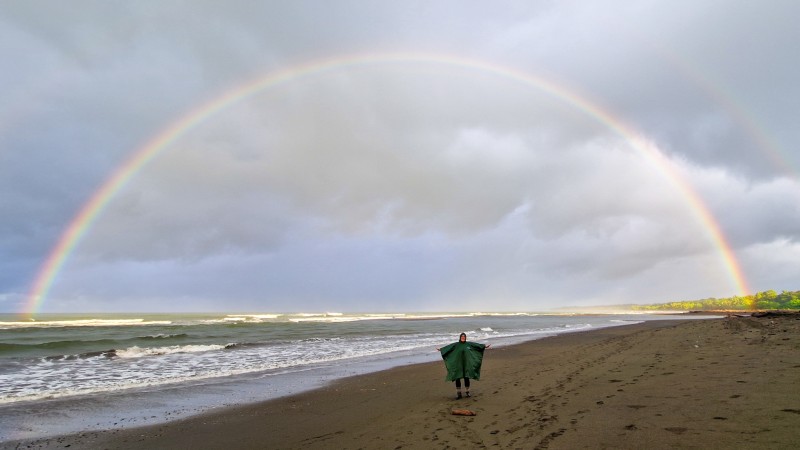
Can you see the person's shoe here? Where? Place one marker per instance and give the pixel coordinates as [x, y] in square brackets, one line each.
[458, 396]
[468, 395]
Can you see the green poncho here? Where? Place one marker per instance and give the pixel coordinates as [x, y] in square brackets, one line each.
[463, 360]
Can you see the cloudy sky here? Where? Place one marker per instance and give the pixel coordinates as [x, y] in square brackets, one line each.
[407, 156]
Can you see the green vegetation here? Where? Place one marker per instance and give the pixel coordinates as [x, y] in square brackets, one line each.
[762, 300]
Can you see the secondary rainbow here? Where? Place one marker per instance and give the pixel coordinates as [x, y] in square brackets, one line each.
[733, 107]
[768, 146]
[82, 222]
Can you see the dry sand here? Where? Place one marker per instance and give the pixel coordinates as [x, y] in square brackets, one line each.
[717, 383]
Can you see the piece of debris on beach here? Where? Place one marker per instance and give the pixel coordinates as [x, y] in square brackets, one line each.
[463, 412]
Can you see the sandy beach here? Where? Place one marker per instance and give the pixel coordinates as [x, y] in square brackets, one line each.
[717, 383]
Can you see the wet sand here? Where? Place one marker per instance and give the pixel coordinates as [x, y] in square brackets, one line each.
[716, 383]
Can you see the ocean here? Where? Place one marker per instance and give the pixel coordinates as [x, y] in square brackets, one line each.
[70, 373]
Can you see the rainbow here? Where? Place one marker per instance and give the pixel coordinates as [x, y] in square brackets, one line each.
[90, 211]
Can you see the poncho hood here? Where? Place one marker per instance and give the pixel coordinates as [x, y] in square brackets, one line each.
[463, 360]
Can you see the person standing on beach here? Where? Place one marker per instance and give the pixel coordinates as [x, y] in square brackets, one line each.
[463, 360]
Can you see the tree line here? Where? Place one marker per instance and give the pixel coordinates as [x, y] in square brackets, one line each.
[762, 300]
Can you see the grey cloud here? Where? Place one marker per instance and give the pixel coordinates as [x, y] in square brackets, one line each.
[351, 156]
[682, 63]
[436, 182]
